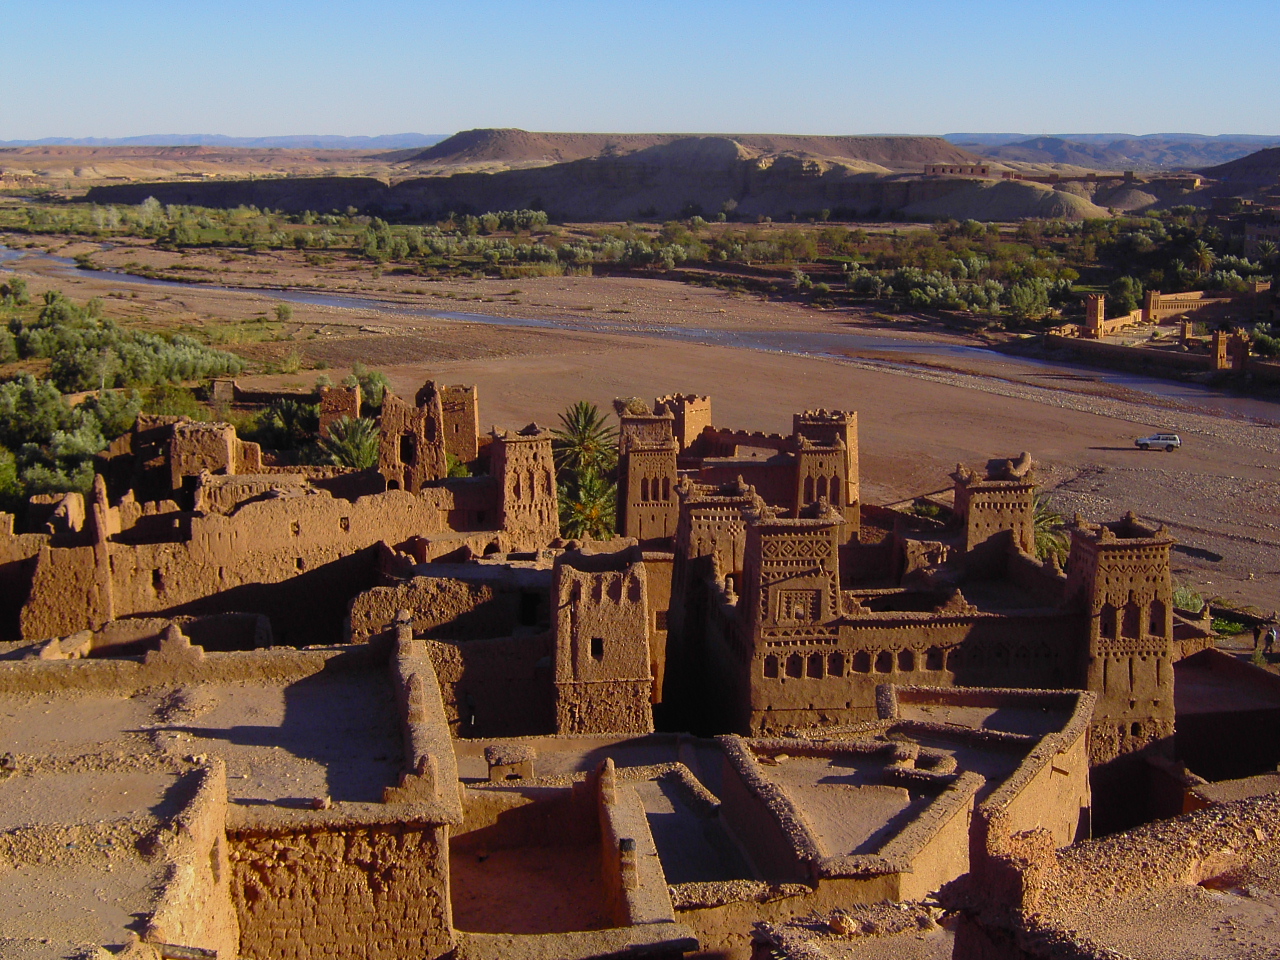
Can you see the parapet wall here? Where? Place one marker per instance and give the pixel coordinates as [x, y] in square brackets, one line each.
[195, 908]
[635, 886]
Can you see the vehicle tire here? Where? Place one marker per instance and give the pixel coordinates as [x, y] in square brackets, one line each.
[1144, 446]
[1170, 448]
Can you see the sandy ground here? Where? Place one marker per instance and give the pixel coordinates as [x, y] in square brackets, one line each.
[918, 417]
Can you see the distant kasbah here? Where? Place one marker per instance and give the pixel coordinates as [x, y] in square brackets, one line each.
[832, 704]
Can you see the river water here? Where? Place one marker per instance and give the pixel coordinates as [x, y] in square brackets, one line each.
[834, 345]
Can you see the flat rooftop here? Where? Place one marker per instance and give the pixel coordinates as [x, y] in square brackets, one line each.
[331, 734]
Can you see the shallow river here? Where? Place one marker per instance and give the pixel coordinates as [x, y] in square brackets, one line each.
[798, 342]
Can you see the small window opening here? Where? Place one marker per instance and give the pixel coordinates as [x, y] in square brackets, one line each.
[528, 608]
[157, 580]
[771, 667]
[345, 524]
[795, 666]
[906, 661]
[884, 662]
[597, 648]
[300, 563]
[835, 664]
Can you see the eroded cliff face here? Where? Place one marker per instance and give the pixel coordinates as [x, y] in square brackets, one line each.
[660, 181]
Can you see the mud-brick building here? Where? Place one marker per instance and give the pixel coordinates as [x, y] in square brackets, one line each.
[658, 448]
[782, 620]
[186, 519]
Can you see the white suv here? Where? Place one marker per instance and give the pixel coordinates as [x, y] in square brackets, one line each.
[1170, 442]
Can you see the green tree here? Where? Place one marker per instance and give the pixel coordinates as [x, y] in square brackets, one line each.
[15, 292]
[1029, 298]
[352, 443]
[1124, 295]
[588, 508]
[585, 443]
[284, 312]
[1049, 529]
[1200, 257]
[373, 385]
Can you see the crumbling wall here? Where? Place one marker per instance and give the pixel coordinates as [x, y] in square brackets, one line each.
[195, 908]
[378, 892]
[460, 406]
[411, 449]
[336, 403]
[500, 687]
[468, 606]
[602, 677]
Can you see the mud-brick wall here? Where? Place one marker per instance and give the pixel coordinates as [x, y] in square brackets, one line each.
[369, 892]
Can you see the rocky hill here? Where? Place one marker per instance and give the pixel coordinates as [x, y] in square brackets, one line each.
[512, 148]
[1262, 167]
[1118, 152]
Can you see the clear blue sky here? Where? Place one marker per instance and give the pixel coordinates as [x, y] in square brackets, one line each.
[270, 67]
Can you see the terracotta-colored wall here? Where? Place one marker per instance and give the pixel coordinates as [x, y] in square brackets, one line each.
[379, 892]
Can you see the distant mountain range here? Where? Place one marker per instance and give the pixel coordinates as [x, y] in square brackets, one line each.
[1116, 151]
[389, 141]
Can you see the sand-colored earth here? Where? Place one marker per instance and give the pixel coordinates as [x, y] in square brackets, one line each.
[920, 411]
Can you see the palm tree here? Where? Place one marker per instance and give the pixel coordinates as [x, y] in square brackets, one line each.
[586, 443]
[1201, 257]
[1048, 528]
[352, 443]
[1266, 251]
[588, 508]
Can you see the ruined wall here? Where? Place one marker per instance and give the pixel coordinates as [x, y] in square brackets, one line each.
[411, 449]
[379, 892]
[460, 406]
[602, 677]
[500, 687]
[195, 908]
[464, 606]
[336, 403]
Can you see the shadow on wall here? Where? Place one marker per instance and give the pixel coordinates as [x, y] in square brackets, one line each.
[15, 587]
[530, 862]
[306, 609]
[347, 723]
